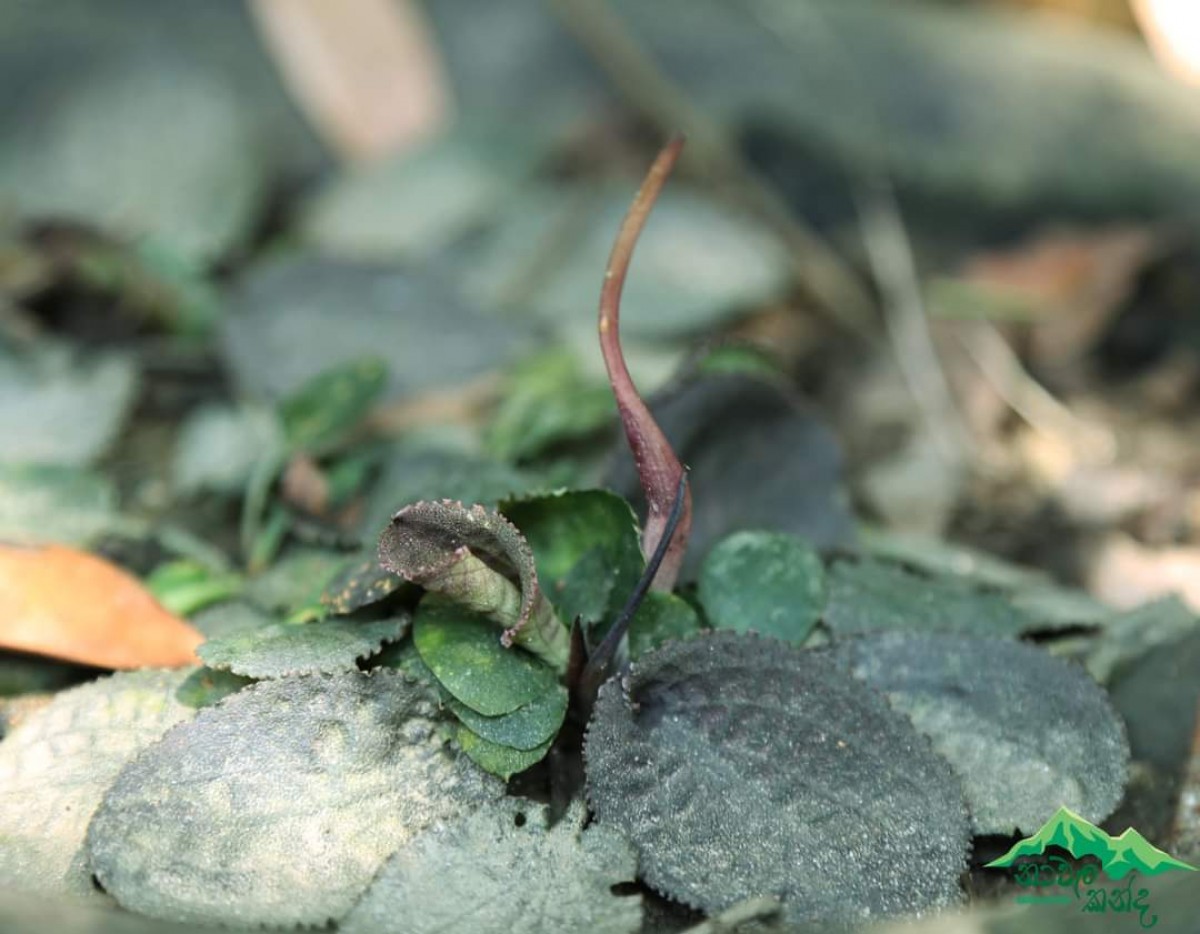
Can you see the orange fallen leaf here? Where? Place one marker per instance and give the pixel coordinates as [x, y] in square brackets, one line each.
[75, 606]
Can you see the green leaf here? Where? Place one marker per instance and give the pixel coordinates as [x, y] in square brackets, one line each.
[510, 871]
[767, 582]
[661, 618]
[330, 405]
[463, 651]
[58, 763]
[741, 358]
[279, 805]
[525, 728]
[547, 400]
[502, 761]
[869, 595]
[207, 686]
[589, 590]
[570, 527]
[230, 618]
[281, 649]
[184, 587]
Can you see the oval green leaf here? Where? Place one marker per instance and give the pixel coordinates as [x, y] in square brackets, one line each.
[463, 651]
[766, 582]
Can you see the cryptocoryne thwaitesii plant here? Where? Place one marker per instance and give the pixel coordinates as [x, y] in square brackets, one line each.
[472, 555]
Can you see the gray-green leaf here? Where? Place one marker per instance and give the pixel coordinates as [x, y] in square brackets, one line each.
[281, 649]
[56, 766]
[505, 870]
[1026, 732]
[279, 805]
[869, 595]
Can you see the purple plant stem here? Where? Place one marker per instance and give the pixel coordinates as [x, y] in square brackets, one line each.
[658, 468]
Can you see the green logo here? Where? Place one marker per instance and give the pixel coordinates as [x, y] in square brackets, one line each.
[1092, 852]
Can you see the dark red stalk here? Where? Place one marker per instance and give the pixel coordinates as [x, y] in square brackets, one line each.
[658, 468]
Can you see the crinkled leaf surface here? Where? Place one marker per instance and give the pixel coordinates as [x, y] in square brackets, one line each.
[768, 582]
[39, 505]
[280, 649]
[869, 595]
[278, 806]
[758, 460]
[55, 409]
[569, 526]
[427, 541]
[504, 870]
[1026, 732]
[742, 766]
[661, 617]
[56, 766]
[293, 318]
[463, 651]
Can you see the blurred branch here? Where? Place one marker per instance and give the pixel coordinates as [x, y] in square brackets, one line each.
[366, 73]
[1029, 399]
[636, 75]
